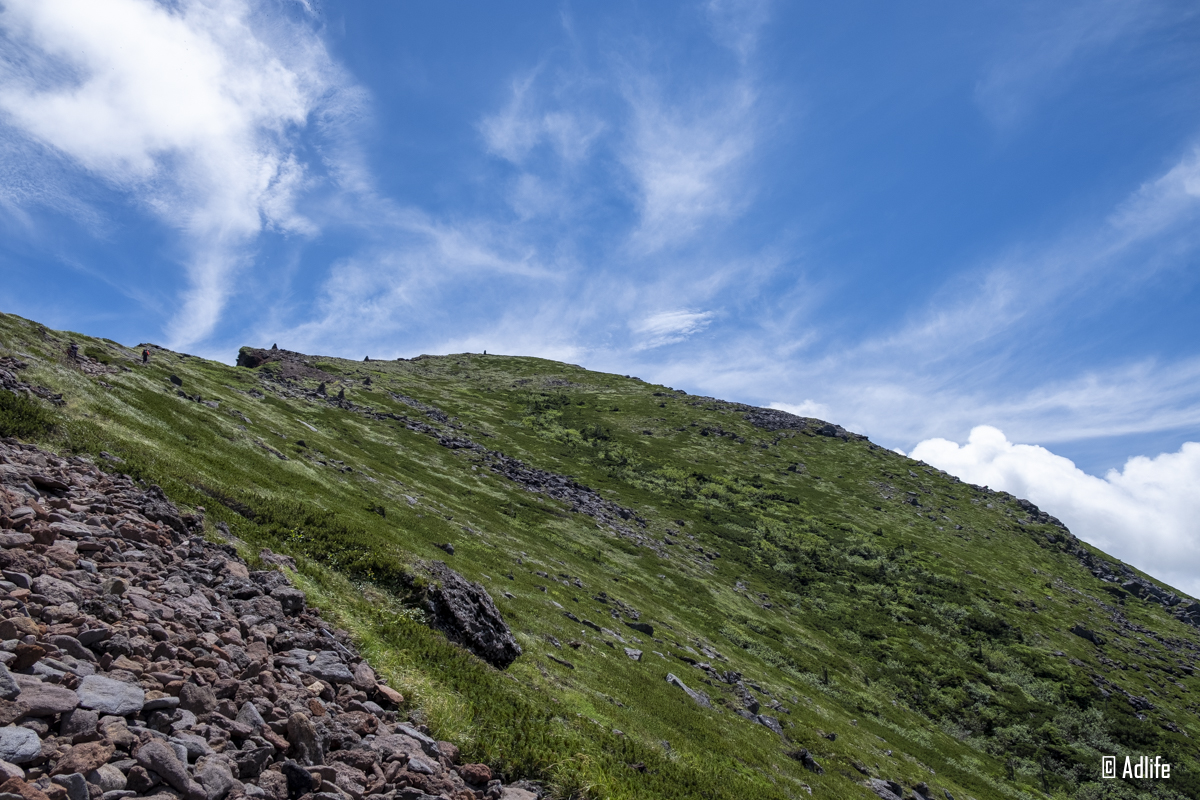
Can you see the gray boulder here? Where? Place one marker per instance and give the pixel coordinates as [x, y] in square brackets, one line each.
[59, 592]
[1087, 634]
[328, 666]
[157, 508]
[72, 647]
[466, 614]
[43, 699]
[291, 599]
[159, 757]
[8, 687]
[325, 664]
[249, 716]
[700, 698]
[75, 784]
[19, 745]
[883, 789]
[299, 780]
[108, 696]
[79, 725]
[304, 741]
[108, 777]
[217, 779]
[769, 722]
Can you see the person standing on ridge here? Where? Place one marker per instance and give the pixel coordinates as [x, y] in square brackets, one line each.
[145, 356]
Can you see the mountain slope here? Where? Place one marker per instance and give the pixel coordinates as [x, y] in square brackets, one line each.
[847, 613]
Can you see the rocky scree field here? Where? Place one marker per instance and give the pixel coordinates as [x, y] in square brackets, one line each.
[677, 596]
[139, 660]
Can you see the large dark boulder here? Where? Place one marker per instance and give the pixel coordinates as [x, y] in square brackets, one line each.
[464, 611]
[1090, 635]
[252, 357]
[157, 508]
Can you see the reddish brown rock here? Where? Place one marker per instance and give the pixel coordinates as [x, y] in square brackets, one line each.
[364, 677]
[360, 722]
[449, 751]
[27, 655]
[475, 774]
[389, 694]
[84, 758]
[20, 787]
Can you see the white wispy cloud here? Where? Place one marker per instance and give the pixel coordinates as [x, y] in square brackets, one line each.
[904, 407]
[737, 23]
[1163, 202]
[422, 277]
[192, 108]
[534, 117]
[559, 128]
[687, 160]
[1038, 61]
[685, 145]
[1147, 513]
[668, 327]
[963, 359]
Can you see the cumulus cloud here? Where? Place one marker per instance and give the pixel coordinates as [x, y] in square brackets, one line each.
[668, 327]
[191, 107]
[1147, 513]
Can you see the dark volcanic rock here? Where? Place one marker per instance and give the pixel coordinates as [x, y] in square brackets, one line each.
[465, 612]
[772, 419]
[288, 364]
[156, 508]
[250, 358]
[804, 757]
[1090, 635]
[9, 367]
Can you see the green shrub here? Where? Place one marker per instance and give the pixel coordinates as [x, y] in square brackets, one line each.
[99, 354]
[23, 417]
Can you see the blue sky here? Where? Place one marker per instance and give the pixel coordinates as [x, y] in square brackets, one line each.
[913, 219]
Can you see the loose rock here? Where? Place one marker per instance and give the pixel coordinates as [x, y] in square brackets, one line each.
[168, 669]
[108, 696]
[19, 745]
[464, 611]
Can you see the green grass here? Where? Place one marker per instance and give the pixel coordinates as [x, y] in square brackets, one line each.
[98, 353]
[23, 416]
[929, 645]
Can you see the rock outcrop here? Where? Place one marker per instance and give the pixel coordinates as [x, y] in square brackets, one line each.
[139, 660]
[465, 613]
[9, 367]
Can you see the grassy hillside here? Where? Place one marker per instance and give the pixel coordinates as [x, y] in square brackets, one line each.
[882, 617]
